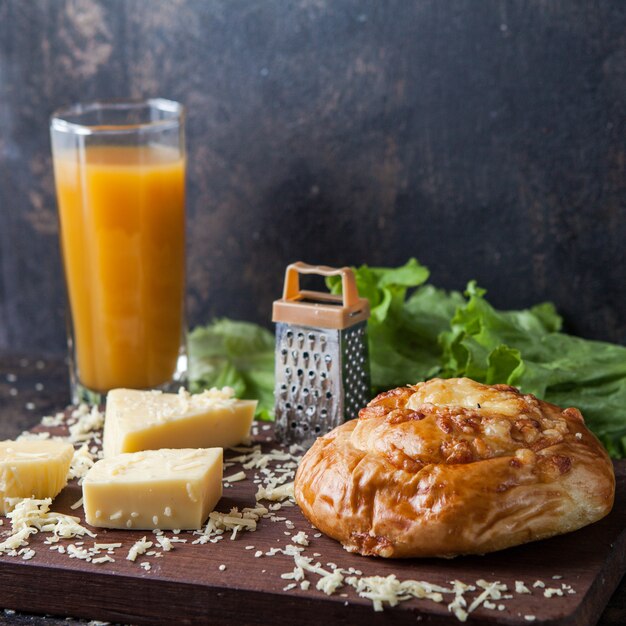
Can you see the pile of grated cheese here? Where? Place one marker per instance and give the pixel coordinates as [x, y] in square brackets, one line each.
[30, 516]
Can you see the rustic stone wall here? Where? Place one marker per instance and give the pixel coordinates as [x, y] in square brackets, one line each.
[484, 138]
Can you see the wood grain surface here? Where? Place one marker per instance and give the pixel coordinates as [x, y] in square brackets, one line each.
[188, 584]
[228, 583]
[484, 138]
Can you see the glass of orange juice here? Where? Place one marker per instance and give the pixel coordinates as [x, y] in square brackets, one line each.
[119, 170]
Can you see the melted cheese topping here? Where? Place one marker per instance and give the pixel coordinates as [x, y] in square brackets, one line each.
[461, 421]
[467, 394]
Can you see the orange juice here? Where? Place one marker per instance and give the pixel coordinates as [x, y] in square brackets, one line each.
[122, 216]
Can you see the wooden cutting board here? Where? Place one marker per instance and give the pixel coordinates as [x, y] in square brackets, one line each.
[225, 583]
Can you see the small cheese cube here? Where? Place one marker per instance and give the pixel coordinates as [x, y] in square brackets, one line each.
[32, 468]
[149, 420]
[164, 489]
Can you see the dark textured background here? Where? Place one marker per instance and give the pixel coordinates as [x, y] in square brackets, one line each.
[485, 138]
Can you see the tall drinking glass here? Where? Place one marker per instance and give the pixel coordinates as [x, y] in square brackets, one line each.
[119, 170]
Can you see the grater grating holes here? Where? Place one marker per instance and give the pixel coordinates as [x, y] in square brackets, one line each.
[322, 381]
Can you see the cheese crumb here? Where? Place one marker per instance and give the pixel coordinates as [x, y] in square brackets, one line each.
[81, 463]
[548, 593]
[88, 425]
[140, 547]
[300, 538]
[28, 554]
[282, 492]
[103, 559]
[233, 478]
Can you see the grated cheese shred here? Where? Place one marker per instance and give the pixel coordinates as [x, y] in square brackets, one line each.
[139, 547]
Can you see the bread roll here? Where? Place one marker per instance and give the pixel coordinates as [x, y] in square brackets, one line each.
[450, 467]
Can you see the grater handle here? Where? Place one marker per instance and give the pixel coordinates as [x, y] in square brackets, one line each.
[349, 289]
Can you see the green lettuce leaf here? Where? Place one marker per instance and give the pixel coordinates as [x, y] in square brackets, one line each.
[235, 354]
[402, 339]
[525, 349]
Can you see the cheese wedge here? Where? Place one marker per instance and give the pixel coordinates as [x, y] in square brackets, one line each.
[164, 489]
[32, 468]
[149, 420]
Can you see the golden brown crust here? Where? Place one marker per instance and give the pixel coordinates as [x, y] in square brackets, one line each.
[451, 467]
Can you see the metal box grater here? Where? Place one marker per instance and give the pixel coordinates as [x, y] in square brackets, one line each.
[322, 365]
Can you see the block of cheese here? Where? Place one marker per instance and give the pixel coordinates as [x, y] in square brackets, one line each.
[154, 489]
[35, 467]
[149, 420]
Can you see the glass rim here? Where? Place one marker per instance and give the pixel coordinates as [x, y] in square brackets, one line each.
[60, 124]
